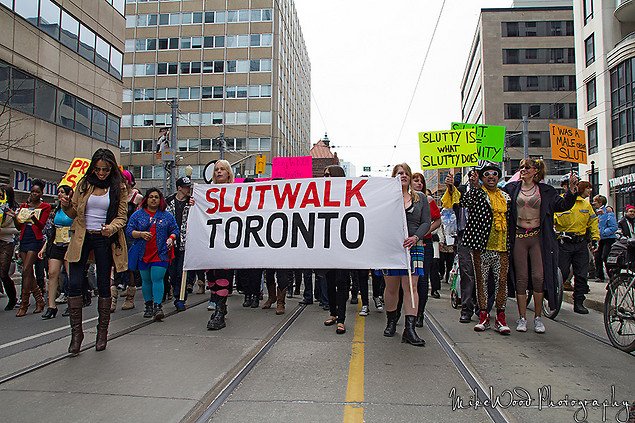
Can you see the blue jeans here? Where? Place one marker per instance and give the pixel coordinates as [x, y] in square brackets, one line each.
[320, 280]
[307, 275]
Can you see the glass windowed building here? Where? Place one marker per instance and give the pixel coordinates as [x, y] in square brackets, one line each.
[605, 64]
[61, 67]
[522, 63]
[240, 71]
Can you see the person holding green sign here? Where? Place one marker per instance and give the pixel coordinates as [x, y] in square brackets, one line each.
[487, 235]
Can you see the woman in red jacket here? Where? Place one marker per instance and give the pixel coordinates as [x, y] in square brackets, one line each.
[30, 219]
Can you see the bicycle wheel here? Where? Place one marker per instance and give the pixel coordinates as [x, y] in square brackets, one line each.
[619, 312]
[547, 311]
[551, 313]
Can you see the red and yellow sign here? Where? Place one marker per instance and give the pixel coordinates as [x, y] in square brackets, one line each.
[75, 172]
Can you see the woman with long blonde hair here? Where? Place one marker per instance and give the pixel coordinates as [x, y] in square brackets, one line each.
[220, 280]
[418, 221]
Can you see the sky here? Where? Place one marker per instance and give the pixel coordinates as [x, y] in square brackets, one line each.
[366, 57]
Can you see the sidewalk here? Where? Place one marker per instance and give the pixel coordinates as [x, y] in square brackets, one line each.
[595, 297]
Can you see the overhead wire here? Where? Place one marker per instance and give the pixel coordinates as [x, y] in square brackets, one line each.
[414, 91]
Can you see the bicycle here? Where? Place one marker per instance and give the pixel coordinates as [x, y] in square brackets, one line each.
[547, 311]
[619, 302]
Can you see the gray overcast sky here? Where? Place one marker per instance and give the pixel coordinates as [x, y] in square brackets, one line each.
[365, 60]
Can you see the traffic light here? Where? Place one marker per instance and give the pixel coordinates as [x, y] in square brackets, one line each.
[261, 161]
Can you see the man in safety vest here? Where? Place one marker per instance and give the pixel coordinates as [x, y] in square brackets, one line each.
[575, 228]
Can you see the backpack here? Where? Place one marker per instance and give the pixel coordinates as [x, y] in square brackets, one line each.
[622, 254]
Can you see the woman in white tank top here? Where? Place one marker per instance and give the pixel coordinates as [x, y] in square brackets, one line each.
[99, 207]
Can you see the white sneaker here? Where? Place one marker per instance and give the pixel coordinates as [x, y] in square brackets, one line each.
[364, 311]
[521, 325]
[379, 303]
[211, 306]
[61, 299]
[539, 327]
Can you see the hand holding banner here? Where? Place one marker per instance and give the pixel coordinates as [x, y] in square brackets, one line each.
[75, 172]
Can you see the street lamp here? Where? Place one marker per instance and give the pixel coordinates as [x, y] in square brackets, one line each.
[188, 171]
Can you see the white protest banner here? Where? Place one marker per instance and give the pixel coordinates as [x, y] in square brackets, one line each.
[326, 223]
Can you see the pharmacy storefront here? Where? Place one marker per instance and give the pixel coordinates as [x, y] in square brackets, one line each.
[623, 192]
[20, 176]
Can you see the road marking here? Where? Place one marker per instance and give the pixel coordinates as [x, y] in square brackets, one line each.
[38, 335]
[353, 411]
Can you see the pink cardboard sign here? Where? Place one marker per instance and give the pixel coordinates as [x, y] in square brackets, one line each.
[292, 167]
[242, 180]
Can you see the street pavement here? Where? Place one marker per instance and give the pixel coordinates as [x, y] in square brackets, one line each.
[170, 371]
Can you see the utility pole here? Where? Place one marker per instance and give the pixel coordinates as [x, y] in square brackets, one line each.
[525, 137]
[173, 141]
[221, 137]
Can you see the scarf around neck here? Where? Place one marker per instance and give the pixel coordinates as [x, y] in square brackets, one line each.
[499, 209]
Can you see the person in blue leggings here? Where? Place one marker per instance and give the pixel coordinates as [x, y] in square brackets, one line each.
[154, 232]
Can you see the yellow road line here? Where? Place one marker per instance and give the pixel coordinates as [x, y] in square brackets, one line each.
[353, 411]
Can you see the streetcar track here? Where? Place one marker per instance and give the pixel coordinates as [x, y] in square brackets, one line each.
[49, 361]
[467, 372]
[219, 394]
[585, 332]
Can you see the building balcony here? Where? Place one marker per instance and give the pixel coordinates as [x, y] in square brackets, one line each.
[625, 10]
[623, 50]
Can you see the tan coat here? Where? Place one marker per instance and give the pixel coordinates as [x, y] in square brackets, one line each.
[76, 211]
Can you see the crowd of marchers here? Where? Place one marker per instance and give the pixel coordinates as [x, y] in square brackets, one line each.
[106, 238]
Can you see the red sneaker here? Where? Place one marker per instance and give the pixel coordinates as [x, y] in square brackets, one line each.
[483, 322]
[501, 324]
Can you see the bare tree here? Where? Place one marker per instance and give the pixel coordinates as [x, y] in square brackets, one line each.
[8, 119]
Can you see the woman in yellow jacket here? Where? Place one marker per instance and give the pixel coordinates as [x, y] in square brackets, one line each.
[99, 209]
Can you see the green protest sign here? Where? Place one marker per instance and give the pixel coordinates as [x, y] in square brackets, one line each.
[445, 149]
[490, 140]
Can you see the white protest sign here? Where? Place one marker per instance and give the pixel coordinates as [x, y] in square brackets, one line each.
[326, 223]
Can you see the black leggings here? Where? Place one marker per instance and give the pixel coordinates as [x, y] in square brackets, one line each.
[378, 284]
[446, 261]
[250, 280]
[362, 283]
[100, 246]
[284, 277]
[338, 284]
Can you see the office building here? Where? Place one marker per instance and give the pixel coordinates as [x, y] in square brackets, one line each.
[605, 65]
[60, 86]
[240, 71]
[521, 63]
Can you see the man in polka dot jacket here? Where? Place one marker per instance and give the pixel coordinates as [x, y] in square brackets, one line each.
[487, 236]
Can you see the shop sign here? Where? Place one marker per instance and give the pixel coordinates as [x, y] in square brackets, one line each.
[622, 180]
[22, 183]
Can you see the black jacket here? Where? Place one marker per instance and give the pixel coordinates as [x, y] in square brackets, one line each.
[623, 228]
[550, 202]
[479, 219]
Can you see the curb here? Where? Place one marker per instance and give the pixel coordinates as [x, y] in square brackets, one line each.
[588, 303]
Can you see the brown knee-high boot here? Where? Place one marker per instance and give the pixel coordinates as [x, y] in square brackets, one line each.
[271, 295]
[39, 300]
[75, 305]
[25, 295]
[103, 307]
[282, 294]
